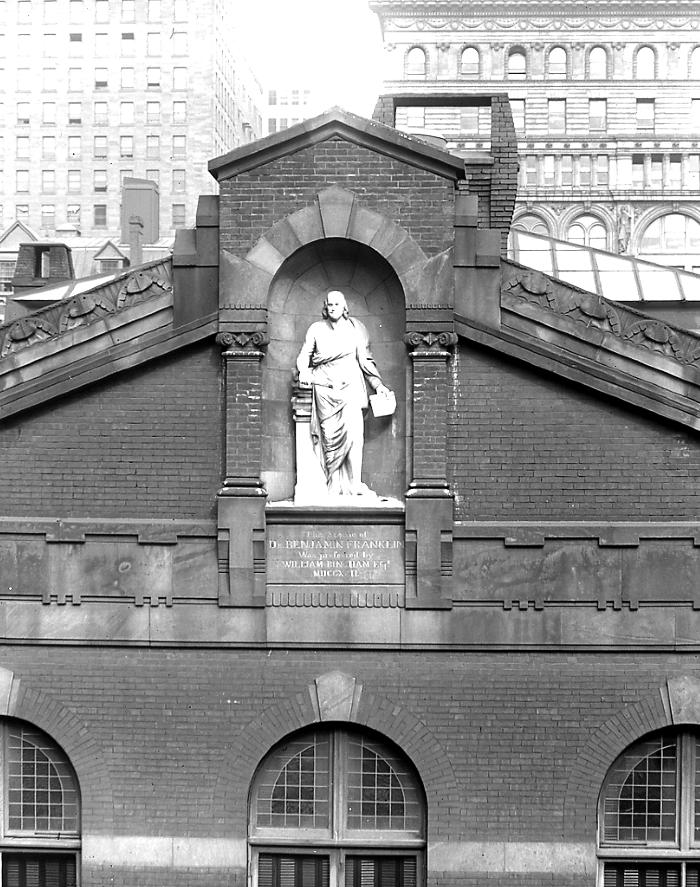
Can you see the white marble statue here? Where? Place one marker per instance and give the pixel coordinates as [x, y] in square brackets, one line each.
[335, 361]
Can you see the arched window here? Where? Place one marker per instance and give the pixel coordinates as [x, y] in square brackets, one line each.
[415, 64]
[645, 67]
[648, 829]
[598, 64]
[532, 224]
[41, 827]
[517, 64]
[588, 231]
[469, 62]
[672, 239]
[695, 64]
[336, 808]
[556, 63]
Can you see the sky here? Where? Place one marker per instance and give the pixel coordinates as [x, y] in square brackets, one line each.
[333, 45]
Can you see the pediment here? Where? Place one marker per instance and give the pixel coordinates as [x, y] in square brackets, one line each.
[337, 123]
[13, 236]
[109, 251]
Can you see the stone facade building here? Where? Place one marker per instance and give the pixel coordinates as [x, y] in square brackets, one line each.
[94, 92]
[487, 674]
[606, 101]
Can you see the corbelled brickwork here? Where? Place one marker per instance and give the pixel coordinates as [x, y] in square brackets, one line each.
[421, 202]
[527, 446]
[145, 444]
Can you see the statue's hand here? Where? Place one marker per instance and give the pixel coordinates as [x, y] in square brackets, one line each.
[383, 391]
[306, 378]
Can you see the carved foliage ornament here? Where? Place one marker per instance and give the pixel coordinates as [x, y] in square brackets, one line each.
[594, 311]
[79, 311]
[250, 340]
[431, 341]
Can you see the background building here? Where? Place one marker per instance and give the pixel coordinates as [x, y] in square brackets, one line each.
[288, 106]
[606, 102]
[94, 92]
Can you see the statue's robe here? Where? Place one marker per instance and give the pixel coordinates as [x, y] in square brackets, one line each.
[340, 361]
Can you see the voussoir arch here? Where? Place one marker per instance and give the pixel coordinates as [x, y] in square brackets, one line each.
[674, 703]
[338, 213]
[350, 703]
[19, 699]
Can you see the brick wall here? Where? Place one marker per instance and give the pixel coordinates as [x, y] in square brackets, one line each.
[419, 201]
[525, 445]
[146, 443]
[166, 728]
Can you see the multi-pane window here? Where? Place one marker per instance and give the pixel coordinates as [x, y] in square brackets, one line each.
[126, 113]
[153, 146]
[638, 170]
[40, 792]
[153, 77]
[179, 42]
[326, 793]
[469, 62]
[126, 147]
[597, 63]
[23, 113]
[531, 170]
[517, 107]
[48, 112]
[179, 112]
[556, 115]
[548, 179]
[48, 147]
[101, 44]
[48, 181]
[102, 11]
[415, 117]
[692, 173]
[75, 79]
[649, 813]
[153, 13]
[153, 43]
[127, 79]
[656, 172]
[597, 114]
[100, 112]
[415, 64]
[645, 114]
[22, 180]
[584, 171]
[74, 147]
[22, 147]
[645, 63]
[556, 63]
[75, 112]
[128, 43]
[179, 181]
[179, 78]
[100, 147]
[100, 78]
[152, 113]
[602, 170]
[99, 215]
[74, 180]
[178, 215]
[587, 230]
[517, 65]
[100, 180]
[179, 146]
[567, 170]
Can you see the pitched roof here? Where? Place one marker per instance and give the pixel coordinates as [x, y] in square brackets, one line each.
[337, 122]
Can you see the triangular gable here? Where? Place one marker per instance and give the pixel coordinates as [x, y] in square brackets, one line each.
[338, 123]
[109, 251]
[16, 234]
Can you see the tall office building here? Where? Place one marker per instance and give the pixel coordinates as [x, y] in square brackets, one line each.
[95, 91]
[606, 101]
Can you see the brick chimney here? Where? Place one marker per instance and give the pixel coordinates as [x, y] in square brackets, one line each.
[42, 264]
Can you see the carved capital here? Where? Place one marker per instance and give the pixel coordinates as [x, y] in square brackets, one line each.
[430, 341]
[443, 47]
[248, 340]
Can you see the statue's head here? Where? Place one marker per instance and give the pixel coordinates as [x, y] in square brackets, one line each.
[334, 306]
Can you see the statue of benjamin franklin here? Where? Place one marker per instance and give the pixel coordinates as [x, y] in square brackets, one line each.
[335, 361]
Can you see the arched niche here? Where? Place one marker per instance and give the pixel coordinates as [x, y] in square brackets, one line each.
[376, 298]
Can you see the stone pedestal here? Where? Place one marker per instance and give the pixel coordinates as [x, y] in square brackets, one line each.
[310, 486]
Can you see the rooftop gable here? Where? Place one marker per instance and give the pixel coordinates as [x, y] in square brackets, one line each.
[338, 123]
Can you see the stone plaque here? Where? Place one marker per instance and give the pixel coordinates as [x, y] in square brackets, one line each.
[335, 555]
